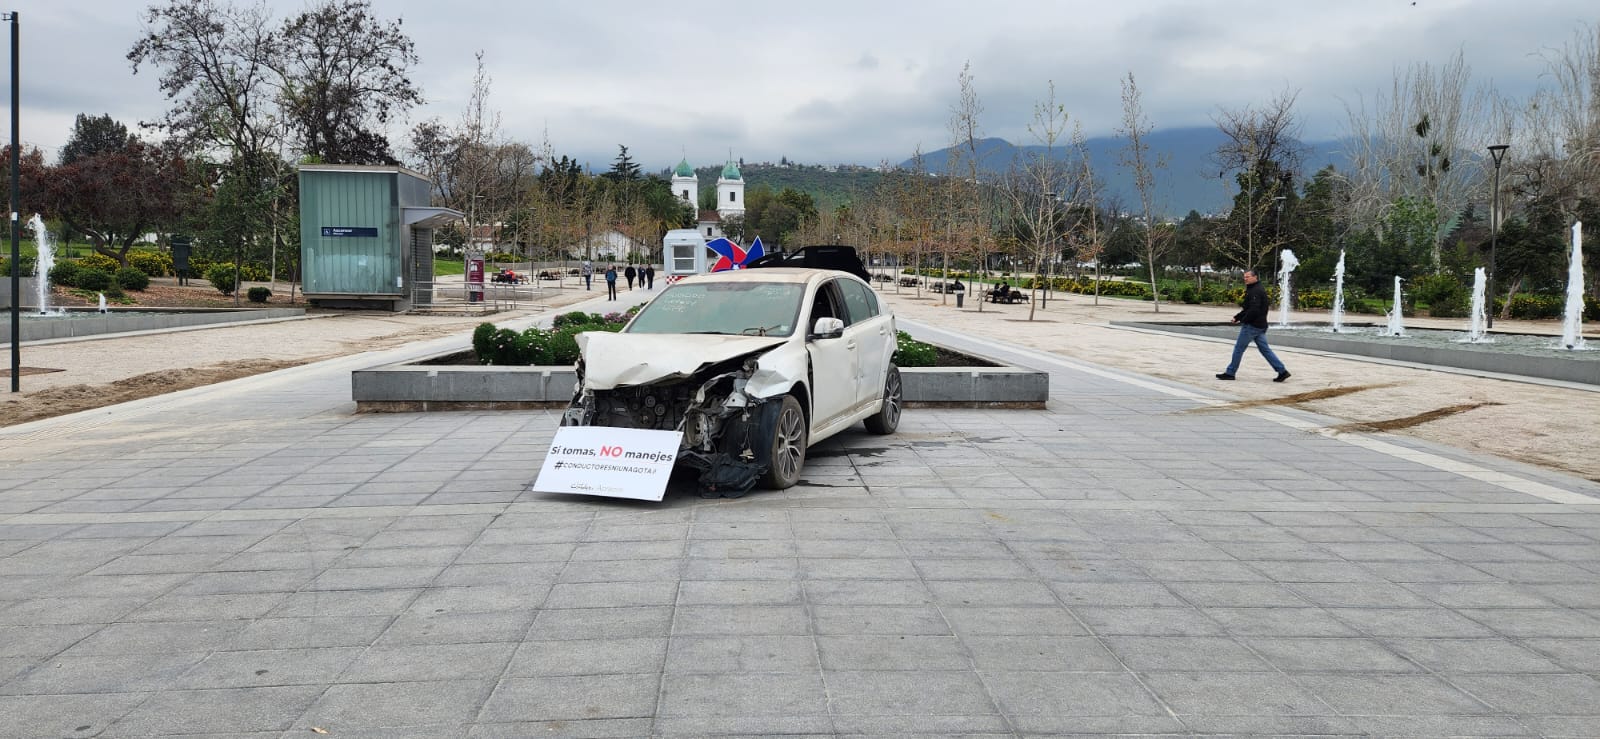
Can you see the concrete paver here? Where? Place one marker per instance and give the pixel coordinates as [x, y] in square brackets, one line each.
[252, 558]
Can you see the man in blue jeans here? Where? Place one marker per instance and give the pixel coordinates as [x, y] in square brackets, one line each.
[1252, 322]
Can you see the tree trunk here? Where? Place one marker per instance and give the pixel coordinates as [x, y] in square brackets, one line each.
[1155, 288]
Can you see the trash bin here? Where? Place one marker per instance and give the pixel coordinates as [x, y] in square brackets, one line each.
[961, 297]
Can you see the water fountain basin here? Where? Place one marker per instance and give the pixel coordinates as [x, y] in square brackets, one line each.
[1528, 355]
[89, 321]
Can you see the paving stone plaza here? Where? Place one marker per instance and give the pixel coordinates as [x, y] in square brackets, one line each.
[253, 559]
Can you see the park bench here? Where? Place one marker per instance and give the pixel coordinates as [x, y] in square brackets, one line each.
[910, 282]
[1013, 296]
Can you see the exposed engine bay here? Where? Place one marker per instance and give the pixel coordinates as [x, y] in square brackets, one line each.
[712, 407]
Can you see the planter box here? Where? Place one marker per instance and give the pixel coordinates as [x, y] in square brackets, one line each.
[413, 386]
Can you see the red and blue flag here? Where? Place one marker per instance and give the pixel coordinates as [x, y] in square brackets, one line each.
[733, 256]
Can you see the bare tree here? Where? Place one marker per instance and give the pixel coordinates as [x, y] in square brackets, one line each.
[1560, 152]
[1037, 182]
[1092, 243]
[969, 214]
[1409, 142]
[1138, 159]
[1262, 150]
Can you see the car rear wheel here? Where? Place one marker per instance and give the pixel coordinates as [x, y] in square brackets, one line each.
[887, 419]
[787, 436]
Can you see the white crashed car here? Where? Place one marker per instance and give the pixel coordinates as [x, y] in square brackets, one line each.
[753, 366]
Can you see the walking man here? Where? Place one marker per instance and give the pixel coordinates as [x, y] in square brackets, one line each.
[588, 274]
[1252, 322]
[630, 273]
[611, 282]
[649, 277]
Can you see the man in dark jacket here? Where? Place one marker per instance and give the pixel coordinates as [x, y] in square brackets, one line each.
[1252, 322]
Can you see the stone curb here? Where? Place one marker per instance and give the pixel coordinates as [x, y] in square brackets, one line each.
[1548, 368]
[411, 386]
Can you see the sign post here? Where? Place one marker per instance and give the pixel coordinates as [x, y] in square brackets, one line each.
[181, 246]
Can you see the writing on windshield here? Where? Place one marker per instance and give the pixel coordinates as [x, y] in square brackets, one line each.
[739, 308]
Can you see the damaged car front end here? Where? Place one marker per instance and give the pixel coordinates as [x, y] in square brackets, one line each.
[721, 392]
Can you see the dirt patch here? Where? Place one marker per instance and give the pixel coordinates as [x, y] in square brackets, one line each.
[73, 398]
[1406, 422]
[25, 371]
[1297, 398]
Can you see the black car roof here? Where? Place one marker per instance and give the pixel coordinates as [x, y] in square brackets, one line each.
[822, 256]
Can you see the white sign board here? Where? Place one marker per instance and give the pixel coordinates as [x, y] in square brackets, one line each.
[613, 462]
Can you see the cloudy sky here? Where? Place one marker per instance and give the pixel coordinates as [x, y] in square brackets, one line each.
[831, 81]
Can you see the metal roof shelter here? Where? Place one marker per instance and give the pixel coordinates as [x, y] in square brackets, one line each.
[366, 235]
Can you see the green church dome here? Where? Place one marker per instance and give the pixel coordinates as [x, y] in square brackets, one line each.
[731, 172]
[683, 170]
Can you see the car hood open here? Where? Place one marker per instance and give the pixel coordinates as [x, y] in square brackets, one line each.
[620, 360]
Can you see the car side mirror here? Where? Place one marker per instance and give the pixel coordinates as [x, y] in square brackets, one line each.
[827, 328]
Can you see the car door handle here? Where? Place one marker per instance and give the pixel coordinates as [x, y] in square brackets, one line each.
[850, 345]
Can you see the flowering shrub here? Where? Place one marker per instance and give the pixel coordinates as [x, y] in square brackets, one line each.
[912, 353]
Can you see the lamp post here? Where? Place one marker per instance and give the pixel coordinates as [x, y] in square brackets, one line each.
[16, 223]
[1497, 152]
[1277, 233]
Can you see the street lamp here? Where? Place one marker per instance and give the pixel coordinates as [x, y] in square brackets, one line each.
[1277, 232]
[1497, 152]
[16, 224]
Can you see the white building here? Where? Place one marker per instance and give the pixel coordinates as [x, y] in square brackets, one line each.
[730, 196]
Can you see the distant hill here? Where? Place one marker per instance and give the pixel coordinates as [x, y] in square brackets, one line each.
[828, 185]
[1189, 182]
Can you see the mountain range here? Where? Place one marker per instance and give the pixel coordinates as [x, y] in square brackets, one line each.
[1191, 180]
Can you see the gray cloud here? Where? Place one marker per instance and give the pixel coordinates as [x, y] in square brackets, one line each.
[834, 81]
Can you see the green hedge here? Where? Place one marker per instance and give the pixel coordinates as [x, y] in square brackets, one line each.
[538, 346]
[94, 280]
[132, 278]
[221, 276]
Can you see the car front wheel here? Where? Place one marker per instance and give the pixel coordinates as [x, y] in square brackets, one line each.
[887, 419]
[786, 438]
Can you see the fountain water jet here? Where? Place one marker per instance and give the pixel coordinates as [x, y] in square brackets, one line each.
[1478, 317]
[1286, 267]
[1338, 293]
[1396, 319]
[1572, 320]
[43, 263]
[102, 302]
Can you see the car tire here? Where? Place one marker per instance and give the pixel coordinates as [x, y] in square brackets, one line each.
[887, 419]
[785, 434]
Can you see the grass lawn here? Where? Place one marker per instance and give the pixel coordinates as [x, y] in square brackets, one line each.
[443, 267]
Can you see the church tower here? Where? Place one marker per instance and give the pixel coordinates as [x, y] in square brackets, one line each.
[730, 192]
[686, 185]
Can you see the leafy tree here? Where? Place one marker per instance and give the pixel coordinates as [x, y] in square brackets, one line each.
[115, 196]
[92, 135]
[774, 216]
[344, 76]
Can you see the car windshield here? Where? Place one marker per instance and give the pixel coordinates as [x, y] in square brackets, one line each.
[747, 308]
